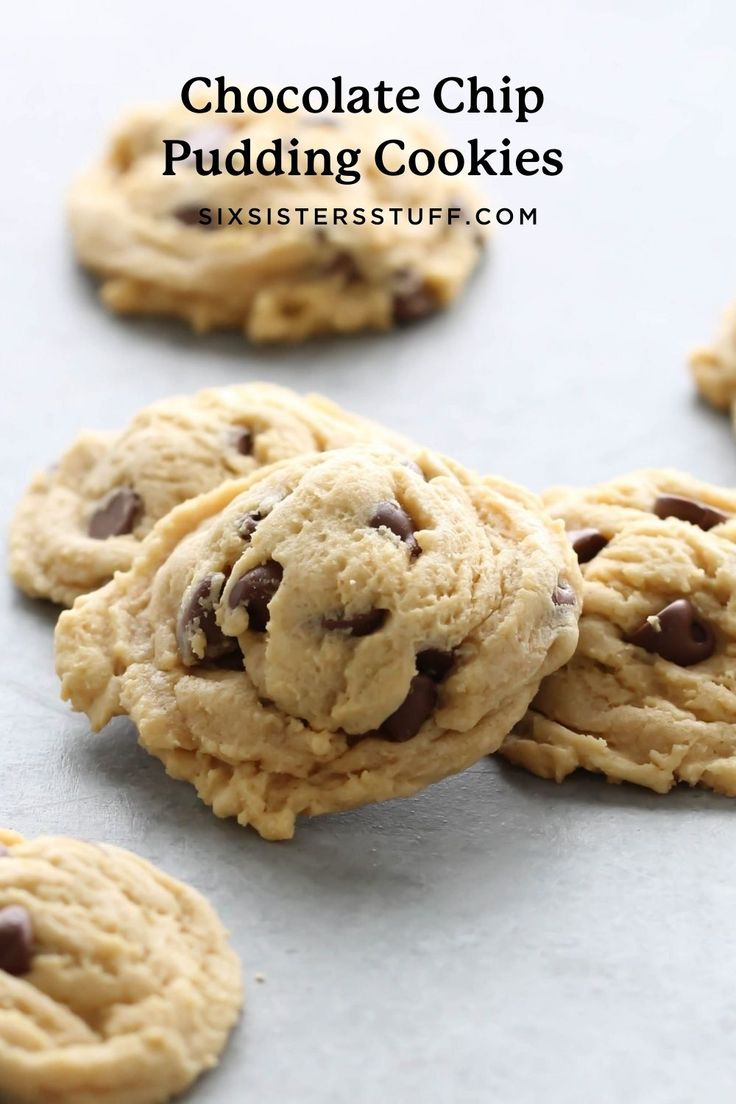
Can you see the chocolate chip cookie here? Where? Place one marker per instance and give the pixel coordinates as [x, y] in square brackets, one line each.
[714, 366]
[143, 234]
[333, 630]
[650, 694]
[84, 519]
[117, 983]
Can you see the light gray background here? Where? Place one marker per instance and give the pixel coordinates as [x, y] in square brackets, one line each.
[497, 938]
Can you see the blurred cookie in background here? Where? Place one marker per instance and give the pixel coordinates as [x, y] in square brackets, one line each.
[189, 245]
[714, 366]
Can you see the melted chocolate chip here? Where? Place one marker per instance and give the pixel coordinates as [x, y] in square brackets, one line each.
[416, 707]
[679, 635]
[16, 940]
[189, 216]
[247, 525]
[563, 595]
[358, 624]
[197, 615]
[254, 591]
[586, 543]
[688, 509]
[243, 441]
[230, 661]
[117, 515]
[391, 516]
[435, 663]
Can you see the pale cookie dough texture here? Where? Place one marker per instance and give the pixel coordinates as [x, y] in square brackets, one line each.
[84, 519]
[117, 983]
[140, 231]
[334, 630]
[650, 694]
[714, 366]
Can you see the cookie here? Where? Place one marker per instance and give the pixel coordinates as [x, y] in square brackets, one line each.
[650, 694]
[714, 366]
[334, 630]
[140, 231]
[117, 983]
[84, 519]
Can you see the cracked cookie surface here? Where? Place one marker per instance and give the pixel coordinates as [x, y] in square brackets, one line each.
[84, 519]
[117, 983]
[650, 694]
[140, 232]
[334, 630]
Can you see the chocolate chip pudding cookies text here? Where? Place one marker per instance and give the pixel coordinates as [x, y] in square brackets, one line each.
[144, 234]
[333, 630]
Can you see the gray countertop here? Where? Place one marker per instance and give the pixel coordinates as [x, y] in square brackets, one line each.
[496, 938]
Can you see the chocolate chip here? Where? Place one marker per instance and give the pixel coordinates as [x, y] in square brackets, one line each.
[435, 663]
[243, 441]
[247, 525]
[391, 516]
[688, 509]
[117, 515]
[679, 634]
[343, 264]
[412, 299]
[586, 543]
[189, 215]
[16, 940]
[254, 590]
[230, 661]
[359, 624]
[198, 615]
[563, 595]
[417, 706]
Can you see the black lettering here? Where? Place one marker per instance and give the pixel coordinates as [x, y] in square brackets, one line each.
[524, 158]
[380, 159]
[552, 162]
[170, 158]
[186, 97]
[347, 159]
[439, 94]
[524, 108]
[405, 96]
[223, 91]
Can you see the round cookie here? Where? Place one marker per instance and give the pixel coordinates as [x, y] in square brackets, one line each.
[650, 694]
[139, 230]
[714, 366]
[84, 519]
[395, 617]
[117, 983]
